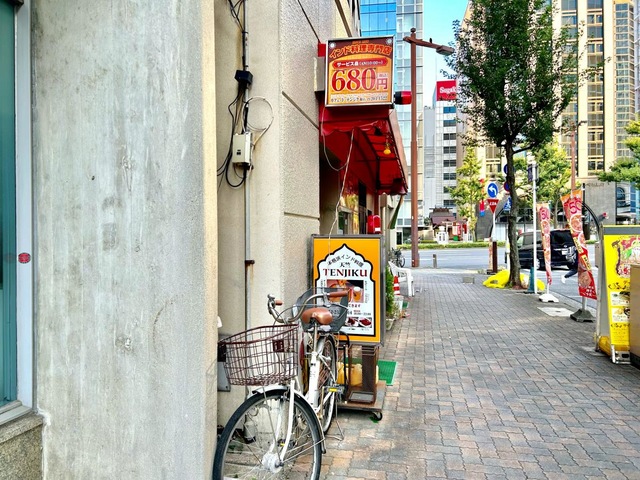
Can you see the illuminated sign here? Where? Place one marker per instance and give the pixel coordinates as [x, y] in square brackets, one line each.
[359, 71]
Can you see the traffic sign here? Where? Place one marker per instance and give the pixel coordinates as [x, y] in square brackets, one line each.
[505, 169]
[507, 205]
[506, 187]
[492, 190]
[493, 203]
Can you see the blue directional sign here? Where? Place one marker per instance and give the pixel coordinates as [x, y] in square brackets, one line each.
[492, 190]
[505, 169]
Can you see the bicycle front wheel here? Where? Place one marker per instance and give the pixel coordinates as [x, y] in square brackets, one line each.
[254, 442]
[327, 382]
[400, 260]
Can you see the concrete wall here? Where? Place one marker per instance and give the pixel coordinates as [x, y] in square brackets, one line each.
[282, 189]
[601, 197]
[124, 160]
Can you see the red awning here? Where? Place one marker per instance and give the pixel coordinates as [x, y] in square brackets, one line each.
[361, 135]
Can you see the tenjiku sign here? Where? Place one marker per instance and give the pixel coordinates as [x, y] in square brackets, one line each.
[354, 263]
[359, 71]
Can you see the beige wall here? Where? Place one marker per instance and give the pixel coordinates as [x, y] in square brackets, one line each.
[283, 187]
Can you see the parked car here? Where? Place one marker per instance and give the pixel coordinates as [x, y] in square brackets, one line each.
[563, 250]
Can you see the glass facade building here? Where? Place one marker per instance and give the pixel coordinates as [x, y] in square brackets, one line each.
[385, 17]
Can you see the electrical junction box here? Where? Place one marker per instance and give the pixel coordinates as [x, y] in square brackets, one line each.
[241, 149]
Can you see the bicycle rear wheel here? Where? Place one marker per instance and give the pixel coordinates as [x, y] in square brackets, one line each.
[400, 261]
[327, 382]
[253, 440]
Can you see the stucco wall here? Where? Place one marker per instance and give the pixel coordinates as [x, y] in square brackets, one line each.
[282, 188]
[124, 161]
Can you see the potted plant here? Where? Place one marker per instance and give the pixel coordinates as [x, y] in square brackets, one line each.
[392, 311]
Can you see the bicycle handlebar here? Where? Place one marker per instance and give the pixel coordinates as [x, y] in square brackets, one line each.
[326, 296]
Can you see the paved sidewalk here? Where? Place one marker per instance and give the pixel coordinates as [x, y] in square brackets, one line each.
[488, 386]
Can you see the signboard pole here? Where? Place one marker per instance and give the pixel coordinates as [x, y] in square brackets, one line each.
[534, 269]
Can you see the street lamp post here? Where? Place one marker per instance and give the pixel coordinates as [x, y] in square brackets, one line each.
[574, 130]
[442, 50]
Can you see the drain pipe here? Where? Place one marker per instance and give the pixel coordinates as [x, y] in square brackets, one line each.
[248, 262]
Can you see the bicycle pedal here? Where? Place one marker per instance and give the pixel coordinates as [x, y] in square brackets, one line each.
[339, 389]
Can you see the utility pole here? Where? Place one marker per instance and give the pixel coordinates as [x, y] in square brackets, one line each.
[442, 50]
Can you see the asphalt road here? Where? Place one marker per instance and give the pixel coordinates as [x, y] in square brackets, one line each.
[477, 259]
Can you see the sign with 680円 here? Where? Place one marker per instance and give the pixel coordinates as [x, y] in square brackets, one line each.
[359, 71]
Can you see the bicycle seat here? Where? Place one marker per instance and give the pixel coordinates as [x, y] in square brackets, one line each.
[321, 315]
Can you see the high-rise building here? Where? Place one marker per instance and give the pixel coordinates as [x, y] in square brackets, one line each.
[398, 17]
[440, 147]
[604, 104]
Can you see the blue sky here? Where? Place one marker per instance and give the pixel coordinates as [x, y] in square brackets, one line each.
[438, 25]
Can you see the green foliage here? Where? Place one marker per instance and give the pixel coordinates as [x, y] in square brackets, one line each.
[626, 169]
[511, 71]
[515, 78]
[554, 172]
[469, 189]
[390, 299]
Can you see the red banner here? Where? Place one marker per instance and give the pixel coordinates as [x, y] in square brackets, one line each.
[545, 228]
[572, 205]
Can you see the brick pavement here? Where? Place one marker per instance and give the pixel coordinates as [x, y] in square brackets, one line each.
[488, 386]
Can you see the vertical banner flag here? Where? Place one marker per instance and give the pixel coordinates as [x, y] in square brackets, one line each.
[545, 228]
[572, 205]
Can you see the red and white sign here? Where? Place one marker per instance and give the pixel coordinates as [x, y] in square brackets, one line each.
[445, 90]
[359, 71]
[493, 203]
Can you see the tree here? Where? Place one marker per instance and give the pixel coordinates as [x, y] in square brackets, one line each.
[515, 77]
[554, 173]
[626, 169]
[469, 189]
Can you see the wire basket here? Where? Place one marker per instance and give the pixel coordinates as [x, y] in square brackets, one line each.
[338, 309]
[261, 355]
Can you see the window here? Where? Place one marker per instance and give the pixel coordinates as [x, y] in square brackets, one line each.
[449, 176]
[449, 109]
[449, 163]
[449, 123]
[448, 136]
[8, 369]
[449, 150]
[16, 311]
[493, 167]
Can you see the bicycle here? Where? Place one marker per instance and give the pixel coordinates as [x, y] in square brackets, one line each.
[278, 431]
[397, 257]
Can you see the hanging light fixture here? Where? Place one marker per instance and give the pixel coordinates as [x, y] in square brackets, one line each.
[387, 147]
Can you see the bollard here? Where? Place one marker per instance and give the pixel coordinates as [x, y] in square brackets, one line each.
[532, 280]
[435, 261]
